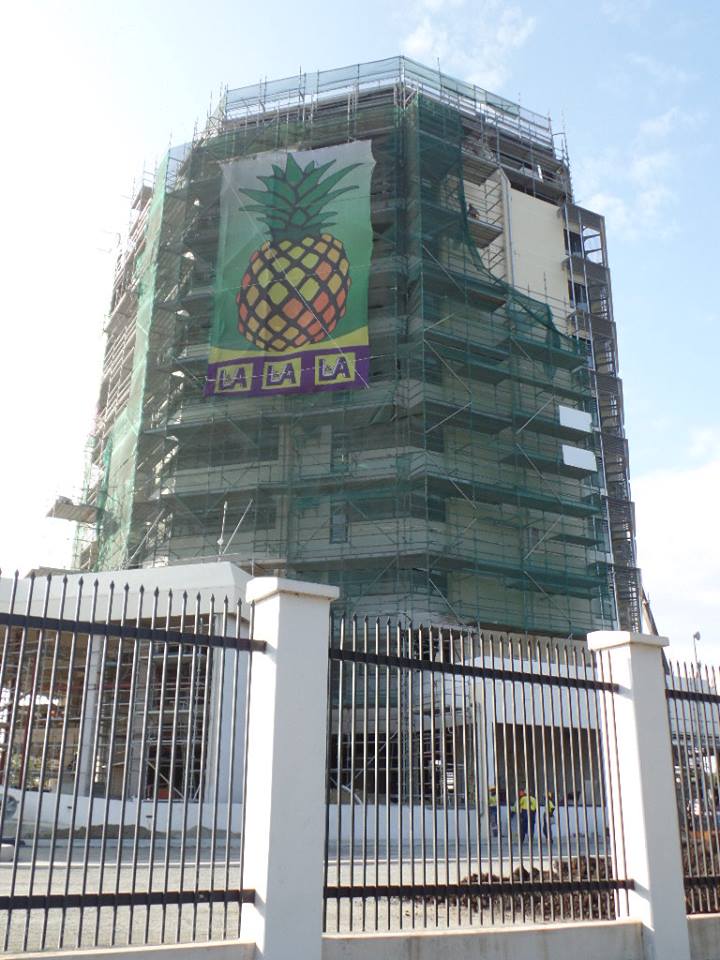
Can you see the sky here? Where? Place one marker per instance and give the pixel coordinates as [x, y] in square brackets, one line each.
[94, 92]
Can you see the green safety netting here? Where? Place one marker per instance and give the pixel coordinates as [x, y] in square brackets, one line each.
[440, 491]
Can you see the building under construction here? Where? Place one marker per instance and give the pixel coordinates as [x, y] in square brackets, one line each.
[480, 473]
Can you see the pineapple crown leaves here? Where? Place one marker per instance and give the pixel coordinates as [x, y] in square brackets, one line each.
[294, 201]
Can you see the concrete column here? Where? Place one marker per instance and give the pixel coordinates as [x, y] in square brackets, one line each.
[285, 816]
[643, 792]
[86, 774]
[221, 740]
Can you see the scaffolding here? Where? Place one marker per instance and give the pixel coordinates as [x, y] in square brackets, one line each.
[589, 292]
[445, 490]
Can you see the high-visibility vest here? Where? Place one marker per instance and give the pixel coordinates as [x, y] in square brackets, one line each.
[492, 800]
[528, 803]
[549, 806]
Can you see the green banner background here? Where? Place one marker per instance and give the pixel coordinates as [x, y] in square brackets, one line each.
[241, 233]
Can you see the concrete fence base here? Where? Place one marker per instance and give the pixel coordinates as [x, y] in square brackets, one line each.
[612, 940]
[218, 950]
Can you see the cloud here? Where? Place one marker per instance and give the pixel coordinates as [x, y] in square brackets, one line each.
[645, 168]
[661, 125]
[625, 11]
[635, 184]
[659, 71]
[678, 529]
[671, 120]
[704, 443]
[615, 210]
[476, 40]
[633, 189]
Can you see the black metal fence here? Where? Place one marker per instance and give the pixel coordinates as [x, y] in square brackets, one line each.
[469, 775]
[694, 713]
[468, 781]
[123, 731]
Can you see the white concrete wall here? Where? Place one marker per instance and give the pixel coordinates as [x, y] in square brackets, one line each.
[704, 937]
[221, 578]
[613, 940]
[226, 744]
[569, 821]
[538, 250]
[616, 940]
[220, 950]
[47, 800]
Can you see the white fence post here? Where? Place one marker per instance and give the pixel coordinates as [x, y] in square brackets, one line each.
[285, 815]
[638, 740]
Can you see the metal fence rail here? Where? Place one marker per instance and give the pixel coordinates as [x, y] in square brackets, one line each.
[694, 714]
[123, 731]
[467, 781]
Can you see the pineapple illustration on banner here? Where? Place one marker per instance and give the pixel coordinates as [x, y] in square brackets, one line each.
[292, 273]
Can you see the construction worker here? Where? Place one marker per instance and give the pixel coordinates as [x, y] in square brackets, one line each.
[549, 814]
[526, 811]
[494, 811]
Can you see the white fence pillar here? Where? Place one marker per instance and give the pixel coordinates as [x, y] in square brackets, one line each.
[285, 816]
[638, 739]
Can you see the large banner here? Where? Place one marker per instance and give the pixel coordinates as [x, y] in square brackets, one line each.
[292, 273]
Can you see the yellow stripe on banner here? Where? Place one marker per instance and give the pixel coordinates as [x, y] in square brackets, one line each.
[358, 338]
